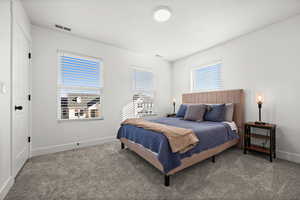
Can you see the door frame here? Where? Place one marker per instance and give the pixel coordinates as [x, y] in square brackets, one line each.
[15, 25]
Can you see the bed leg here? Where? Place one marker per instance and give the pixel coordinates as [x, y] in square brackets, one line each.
[213, 159]
[167, 180]
[122, 145]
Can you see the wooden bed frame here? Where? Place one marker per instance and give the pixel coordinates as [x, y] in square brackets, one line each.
[214, 97]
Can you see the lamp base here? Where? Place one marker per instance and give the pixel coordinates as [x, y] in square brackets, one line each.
[260, 123]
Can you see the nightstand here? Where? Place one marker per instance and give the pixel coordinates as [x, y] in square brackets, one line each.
[171, 115]
[270, 136]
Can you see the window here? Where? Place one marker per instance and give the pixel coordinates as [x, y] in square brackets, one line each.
[79, 87]
[143, 97]
[206, 78]
[142, 102]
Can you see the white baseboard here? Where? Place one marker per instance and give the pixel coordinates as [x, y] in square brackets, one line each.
[70, 146]
[293, 157]
[6, 187]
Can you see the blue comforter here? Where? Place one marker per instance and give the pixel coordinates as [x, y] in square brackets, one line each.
[210, 134]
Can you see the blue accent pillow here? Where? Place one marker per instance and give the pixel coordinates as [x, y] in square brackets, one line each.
[181, 111]
[215, 113]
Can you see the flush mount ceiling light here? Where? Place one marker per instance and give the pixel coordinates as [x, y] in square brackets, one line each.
[162, 14]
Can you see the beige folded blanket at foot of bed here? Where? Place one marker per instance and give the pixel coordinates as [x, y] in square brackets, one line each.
[180, 139]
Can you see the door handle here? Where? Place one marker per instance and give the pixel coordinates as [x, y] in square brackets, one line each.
[18, 107]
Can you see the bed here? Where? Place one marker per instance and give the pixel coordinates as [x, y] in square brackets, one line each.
[214, 137]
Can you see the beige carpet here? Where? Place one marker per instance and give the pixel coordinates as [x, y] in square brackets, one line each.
[107, 172]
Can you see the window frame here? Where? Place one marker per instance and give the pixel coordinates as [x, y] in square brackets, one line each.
[152, 91]
[192, 89]
[60, 53]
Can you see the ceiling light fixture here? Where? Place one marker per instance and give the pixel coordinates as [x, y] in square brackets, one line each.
[162, 14]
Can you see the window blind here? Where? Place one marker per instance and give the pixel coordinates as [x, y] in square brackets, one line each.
[79, 87]
[207, 78]
[143, 80]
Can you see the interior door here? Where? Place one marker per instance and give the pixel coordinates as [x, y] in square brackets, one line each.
[20, 103]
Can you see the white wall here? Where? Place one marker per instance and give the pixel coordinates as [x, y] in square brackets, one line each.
[5, 114]
[20, 17]
[266, 62]
[49, 134]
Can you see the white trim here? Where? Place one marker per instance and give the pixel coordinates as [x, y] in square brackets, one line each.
[6, 187]
[11, 94]
[80, 119]
[293, 157]
[70, 146]
[79, 55]
[30, 74]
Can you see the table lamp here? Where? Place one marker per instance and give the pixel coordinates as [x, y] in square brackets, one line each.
[174, 103]
[259, 101]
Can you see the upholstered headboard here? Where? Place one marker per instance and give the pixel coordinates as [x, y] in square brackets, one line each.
[225, 96]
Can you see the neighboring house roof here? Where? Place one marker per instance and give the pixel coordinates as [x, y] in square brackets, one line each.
[142, 98]
[87, 100]
[94, 101]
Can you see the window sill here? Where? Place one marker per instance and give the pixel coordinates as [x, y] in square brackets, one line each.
[72, 120]
[145, 115]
